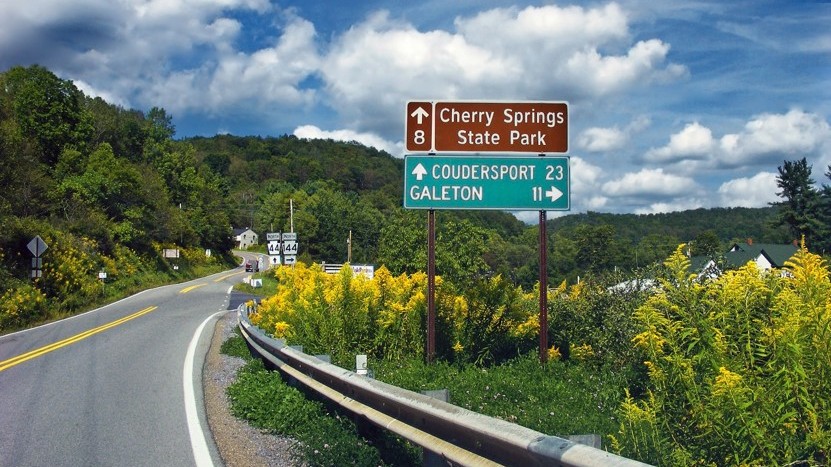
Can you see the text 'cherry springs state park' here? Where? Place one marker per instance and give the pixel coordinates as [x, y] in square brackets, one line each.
[535, 127]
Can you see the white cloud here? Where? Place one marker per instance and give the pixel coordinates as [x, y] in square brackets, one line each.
[766, 139]
[598, 75]
[106, 96]
[367, 139]
[775, 137]
[550, 52]
[602, 139]
[650, 183]
[610, 139]
[682, 204]
[752, 192]
[693, 142]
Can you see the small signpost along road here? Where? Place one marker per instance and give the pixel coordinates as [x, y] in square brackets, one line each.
[507, 183]
[37, 246]
[471, 126]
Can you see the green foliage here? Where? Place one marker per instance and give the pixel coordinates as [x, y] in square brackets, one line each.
[738, 368]
[485, 325]
[592, 322]
[800, 209]
[325, 437]
[96, 182]
[558, 398]
[235, 346]
[48, 110]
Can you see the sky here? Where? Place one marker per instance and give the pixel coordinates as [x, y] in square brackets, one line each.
[673, 104]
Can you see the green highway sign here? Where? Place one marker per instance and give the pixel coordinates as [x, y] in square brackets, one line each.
[505, 183]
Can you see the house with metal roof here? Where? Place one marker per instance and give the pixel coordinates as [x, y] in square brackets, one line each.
[765, 255]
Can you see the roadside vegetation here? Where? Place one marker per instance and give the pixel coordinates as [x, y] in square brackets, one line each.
[726, 371]
[732, 371]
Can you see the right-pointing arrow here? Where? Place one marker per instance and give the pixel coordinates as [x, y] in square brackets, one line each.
[554, 194]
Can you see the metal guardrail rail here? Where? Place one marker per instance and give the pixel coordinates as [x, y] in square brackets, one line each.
[460, 436]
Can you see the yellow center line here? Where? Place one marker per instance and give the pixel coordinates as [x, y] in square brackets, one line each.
[188, 289]
[227, 276]
[6, 364]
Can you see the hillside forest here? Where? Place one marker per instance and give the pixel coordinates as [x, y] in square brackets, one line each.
[110, 189]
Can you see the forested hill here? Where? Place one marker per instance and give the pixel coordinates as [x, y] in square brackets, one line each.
[249, 162]
[728, 224]
[111, 189]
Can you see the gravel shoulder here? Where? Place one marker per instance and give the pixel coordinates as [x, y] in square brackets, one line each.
[238, 443]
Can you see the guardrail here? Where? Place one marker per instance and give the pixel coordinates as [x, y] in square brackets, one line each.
[459, 436]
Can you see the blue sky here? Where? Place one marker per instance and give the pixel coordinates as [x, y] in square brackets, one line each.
[673, 105]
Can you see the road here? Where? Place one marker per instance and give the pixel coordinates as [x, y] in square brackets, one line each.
[119, 385]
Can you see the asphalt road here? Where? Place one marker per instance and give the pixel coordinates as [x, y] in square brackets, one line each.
[119, 385]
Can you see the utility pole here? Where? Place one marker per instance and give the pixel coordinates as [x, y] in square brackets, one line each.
[349, 248]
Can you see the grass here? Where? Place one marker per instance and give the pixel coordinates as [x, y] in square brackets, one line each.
[325, 435]
[559, 399]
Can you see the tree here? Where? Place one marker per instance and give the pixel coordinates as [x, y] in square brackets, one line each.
[706, 244]
[402, 246]
[460, 248]
[48, 110]
[597, 248]
[800, 210]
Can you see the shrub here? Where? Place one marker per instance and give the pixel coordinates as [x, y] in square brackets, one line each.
[738, 368]
[21, 305]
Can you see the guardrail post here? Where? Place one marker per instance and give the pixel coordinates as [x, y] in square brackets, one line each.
[430, 458]
[594, 440]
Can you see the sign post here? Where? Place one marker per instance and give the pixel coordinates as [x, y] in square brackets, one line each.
[513, 183]
[289, 248]
[275, 247]
[37, 246]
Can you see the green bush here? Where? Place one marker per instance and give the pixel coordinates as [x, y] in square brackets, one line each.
[739, 368]
[325, 437]
[559, 398]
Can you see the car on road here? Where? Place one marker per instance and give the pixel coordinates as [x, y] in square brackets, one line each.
[251, 266]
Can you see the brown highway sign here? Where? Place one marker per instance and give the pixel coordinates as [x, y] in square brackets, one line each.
[473, 126]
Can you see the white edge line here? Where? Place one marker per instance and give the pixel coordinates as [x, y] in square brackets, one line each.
[201, 453]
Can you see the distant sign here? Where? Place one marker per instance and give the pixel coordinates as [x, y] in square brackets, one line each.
[37, 246]
[272, 236]
[507, 183]
[289, 247]
[473, 126]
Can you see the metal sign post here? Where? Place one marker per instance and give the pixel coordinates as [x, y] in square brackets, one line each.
[543, 278]
[37, 246]
[431, 285]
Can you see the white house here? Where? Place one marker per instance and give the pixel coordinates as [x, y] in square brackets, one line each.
[245, 238]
